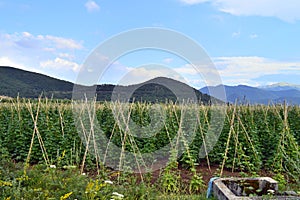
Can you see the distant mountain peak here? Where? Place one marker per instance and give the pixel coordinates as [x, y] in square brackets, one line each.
[281, 86]
[277, 93]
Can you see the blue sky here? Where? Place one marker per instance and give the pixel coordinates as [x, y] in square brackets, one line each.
[252, 42]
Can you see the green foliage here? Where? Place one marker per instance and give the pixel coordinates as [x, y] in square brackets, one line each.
[40, 182]
[45, 133]
[253, 145]
[170, 181]
[55, 125]
[281, 181]
[196, 184]
[261, 138]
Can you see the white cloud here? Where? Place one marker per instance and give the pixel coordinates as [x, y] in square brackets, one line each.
[287, 10]
[92, 6]
[26, 47]
[186, 69]
[47, 54]
[118, 73]
[66, 55]
[59, 63]
[197, 75]
[26, 34]
[145, 73]
[5, 61]
[62, 43]
[27, 40]
[238, 70]
[196, 70]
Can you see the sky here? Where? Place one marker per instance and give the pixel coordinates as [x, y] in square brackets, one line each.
[250, 42]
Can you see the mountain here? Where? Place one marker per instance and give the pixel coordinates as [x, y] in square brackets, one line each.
[253, 95]
[243, 94]
[281, 86]
[159, 89]
[27, 84]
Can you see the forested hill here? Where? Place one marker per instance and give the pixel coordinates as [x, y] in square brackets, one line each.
[159, 89]
[14, 82]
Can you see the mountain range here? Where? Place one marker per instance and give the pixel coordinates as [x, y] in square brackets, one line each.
[281, 86]
[16, 82]
[275, 93]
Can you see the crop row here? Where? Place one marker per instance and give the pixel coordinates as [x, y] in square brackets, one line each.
[252, 138]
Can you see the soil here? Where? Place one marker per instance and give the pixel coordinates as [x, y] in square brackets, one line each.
[207, 172]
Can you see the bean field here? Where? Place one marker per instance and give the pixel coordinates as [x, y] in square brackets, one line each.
[44, 142]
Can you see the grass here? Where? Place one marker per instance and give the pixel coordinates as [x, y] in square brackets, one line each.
[42, 182]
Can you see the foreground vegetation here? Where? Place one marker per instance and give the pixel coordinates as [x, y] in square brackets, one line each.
[48, 151]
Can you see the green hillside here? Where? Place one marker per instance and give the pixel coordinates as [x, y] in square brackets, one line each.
[14, 82]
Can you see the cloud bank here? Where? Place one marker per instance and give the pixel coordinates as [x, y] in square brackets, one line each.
[287, 10]
[245, 70]
[47, 54]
